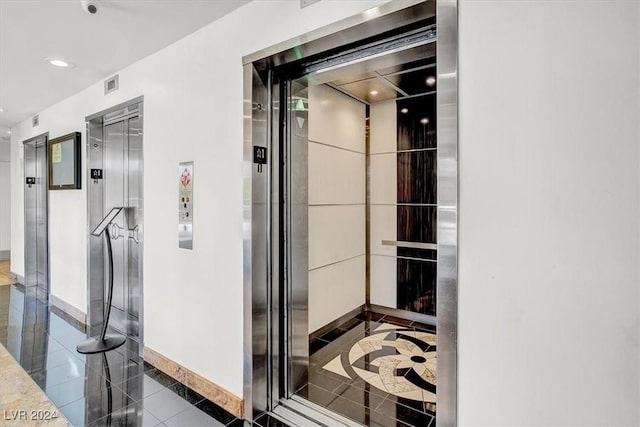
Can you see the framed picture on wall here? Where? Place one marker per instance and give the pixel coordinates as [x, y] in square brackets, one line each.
[64, 162]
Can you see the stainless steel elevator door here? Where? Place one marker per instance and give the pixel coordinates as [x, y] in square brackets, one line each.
[36, 217]
[122, 153]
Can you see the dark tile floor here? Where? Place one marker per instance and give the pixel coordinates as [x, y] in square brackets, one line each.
[116, 388]
[355, 398]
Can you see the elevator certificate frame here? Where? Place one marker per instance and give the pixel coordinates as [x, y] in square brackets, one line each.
[260, 125]
[63, 162]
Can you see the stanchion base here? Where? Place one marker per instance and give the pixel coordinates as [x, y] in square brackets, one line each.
[95, 345]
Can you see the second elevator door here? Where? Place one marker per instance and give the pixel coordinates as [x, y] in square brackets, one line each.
[123, 187]
[36, 216]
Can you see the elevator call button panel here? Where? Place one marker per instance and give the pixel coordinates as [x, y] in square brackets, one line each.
[185, 205]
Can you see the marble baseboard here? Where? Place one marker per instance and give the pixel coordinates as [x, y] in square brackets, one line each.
[197, 383]
[22, 402]
[69, 309]
[18, 278]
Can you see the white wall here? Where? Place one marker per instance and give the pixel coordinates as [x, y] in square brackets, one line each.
[193, 111]
[549, 212]
[337, 197]
[5, 195]
[383, 184]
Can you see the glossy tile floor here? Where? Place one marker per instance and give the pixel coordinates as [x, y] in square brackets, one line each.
[376, 370]
[117, 388]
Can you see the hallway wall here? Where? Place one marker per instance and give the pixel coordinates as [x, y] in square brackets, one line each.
[549, 218]
[193, 111]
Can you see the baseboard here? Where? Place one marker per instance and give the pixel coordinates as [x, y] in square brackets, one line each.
[18, 278]
[5, 255]
[197, 383]
[67, 308]
[404, 314]
[337, 322]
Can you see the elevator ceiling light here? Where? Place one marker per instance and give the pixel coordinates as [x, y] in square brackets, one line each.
[58, 63]
[424, 121]
[431, 80]
[373, 92]
[404, 110]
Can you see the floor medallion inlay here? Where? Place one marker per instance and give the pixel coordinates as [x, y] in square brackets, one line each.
[394, 359]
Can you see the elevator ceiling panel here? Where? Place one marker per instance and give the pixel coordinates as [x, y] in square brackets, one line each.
[370, 90]
[400, 74]
[415, 82]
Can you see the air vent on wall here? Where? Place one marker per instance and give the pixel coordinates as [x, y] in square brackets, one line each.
[111, 84]
[305, 3]
[35, 120]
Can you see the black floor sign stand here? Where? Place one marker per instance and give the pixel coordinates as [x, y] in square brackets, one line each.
[104, 342]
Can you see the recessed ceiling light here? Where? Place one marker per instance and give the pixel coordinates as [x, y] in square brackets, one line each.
[58, 62]
[8, 132]
[431, 80]
[1, 110]
[404, 110]
[424, 121]
[373, 92]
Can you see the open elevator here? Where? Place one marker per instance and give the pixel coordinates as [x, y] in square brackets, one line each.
[346, 219]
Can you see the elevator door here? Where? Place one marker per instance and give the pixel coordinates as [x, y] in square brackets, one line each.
[121, 188]
[115, 149]
[36, 256]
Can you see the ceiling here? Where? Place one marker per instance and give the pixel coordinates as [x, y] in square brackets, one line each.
[397, 75]
[120, 33]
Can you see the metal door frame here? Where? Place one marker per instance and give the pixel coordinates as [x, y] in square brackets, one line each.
[95, 130]
[261, 115]
[46, 178]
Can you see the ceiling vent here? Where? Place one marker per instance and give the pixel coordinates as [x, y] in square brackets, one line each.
[35, 120]
[111, 84]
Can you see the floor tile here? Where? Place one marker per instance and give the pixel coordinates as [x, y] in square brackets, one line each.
[133, 415]
[193, 417]
[215, 411]
[186, 393]
[75, 412]
[267, 420]
[165, 404]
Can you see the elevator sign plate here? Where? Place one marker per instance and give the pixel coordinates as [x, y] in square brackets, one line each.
[259, 156]
[96, 173]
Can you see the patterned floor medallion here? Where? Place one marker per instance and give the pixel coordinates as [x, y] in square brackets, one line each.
[394, 359]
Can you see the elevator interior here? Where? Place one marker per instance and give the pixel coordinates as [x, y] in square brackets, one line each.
[345, 256]
[114, 150]
[36, 223]
[371, 249]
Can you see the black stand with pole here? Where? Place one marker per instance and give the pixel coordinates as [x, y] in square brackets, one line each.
[104, 342]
